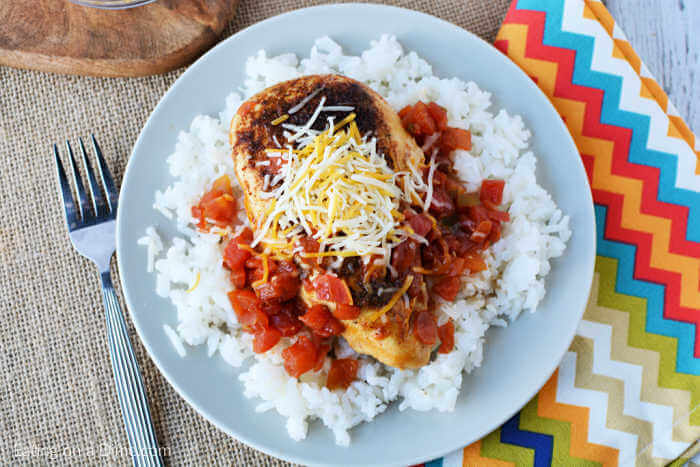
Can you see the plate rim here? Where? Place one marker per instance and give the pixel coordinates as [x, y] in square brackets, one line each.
[212, 418]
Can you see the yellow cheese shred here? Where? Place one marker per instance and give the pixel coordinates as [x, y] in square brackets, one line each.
[323, 254]
[344, 121]
[397, 296]
[196, 283]
[280, 119]
[266, 273]
[243, 246]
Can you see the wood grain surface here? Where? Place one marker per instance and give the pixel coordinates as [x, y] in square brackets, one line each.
[58, 36]
[666, 35]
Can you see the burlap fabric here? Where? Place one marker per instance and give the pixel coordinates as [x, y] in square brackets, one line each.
[57, 396]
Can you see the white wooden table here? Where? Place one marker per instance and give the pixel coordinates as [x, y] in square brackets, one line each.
[666, 35]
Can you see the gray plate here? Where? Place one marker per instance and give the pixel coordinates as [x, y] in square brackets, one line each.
[518, 360]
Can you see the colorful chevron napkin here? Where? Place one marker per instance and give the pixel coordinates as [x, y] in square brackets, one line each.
[628, 389]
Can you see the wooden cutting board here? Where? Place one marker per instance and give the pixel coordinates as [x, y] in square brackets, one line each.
[60, 37]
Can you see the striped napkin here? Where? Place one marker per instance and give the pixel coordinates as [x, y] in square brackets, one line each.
[628, 389]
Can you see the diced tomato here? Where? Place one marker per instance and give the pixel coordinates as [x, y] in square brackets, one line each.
[284, 316]
[455, 138]
[421, 224]
[342, 373]
[460, 243]
[271, 307]
[286, 285]
[245, 236]
[416, 285]
[308, 245]
[492, 191]
[417, 120]
[447, 287]
[346, 311]
[222, 184]
[425, 328]
[446, 333]
[287, 325]
[254, 270]
[439, 115]
[331, 288]
[432, 255]
[221, 210]
[265, 339]
[198, 215]
[254, 262]
[333, 327]
[403, 256]
[234, 256]
[281, 287]
[265, 291]
[454, 268]
[316, 316]
[478, 214]
[286, 266]
[500, 216]
[495, 234]
[320, 320]
[238, 278]
[441, 203]
[218, 204]
[405, 111]
[475, 263]
[322, 350]
[482, 231]
[299, 357]
[248, 309]
[255, 266]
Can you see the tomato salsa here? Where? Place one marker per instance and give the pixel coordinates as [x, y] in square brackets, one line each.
[446, 242]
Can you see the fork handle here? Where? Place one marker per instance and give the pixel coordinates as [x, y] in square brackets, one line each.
[129, 384]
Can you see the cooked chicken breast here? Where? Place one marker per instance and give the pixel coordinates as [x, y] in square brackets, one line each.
[389, 338]
[252, 130]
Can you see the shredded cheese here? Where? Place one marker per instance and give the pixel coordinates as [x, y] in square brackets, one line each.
[305, 101]
[431, 173]
[196, 283]
[243, 246]
[421, 270]
[324, 254]
[395, 298]
[280, 119]
[266, 273]
[337, 188]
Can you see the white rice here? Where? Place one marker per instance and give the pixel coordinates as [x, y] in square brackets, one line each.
[514, 281]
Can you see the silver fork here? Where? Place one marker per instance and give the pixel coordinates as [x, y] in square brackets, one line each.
[91, 226]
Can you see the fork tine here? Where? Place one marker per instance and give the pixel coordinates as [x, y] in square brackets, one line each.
[98, 200]
[107, 181]
[66, 195]
[79, 188]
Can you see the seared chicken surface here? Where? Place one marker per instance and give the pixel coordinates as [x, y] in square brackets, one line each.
[388, 339]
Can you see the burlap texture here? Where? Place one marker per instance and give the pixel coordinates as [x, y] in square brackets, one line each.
[57, 400]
